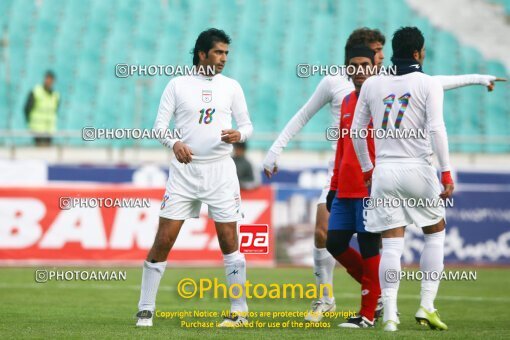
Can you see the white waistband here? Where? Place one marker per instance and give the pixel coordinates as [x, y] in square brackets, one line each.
[206, 161]
[403, 160]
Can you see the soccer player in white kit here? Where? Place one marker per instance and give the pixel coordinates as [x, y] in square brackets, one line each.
[411, 101]
[331, 90]
[203, 171]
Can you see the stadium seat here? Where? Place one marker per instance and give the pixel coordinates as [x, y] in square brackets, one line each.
[83, 41]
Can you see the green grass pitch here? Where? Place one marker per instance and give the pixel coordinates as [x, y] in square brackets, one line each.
[87, 309]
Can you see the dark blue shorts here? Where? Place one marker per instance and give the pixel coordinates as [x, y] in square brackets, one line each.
[347, 214]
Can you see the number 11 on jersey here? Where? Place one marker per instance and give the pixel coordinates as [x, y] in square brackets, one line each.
[388, 101]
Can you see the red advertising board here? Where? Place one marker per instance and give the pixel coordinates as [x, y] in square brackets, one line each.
[37, 227]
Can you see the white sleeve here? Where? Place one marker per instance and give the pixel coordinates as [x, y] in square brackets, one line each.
[360, 121]
[165, 113]
[436, 126]
[453, 82]
[319, 98]
[241, 115]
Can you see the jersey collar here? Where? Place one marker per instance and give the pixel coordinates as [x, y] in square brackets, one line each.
[405, 66]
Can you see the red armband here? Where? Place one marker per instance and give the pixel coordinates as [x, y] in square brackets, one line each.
[446, 177]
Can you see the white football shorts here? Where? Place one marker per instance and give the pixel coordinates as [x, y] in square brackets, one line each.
[213, 183]
[403, 194]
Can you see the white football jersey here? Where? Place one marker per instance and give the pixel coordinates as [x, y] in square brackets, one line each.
[339, 86]
[202, 107]
[331, 90]
[412, 102]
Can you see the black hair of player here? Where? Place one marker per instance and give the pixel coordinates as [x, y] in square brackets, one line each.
[206, 41]
[406, 41]
[363, 36]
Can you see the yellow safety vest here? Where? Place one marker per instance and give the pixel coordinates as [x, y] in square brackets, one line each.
[43, 117]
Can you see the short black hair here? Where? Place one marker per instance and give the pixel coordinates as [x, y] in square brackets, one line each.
[49, 74]
[206, 41]
[363, 36]
[406, 41]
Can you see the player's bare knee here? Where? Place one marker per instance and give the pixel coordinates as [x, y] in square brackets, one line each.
[227, 236]
[164, 237]
[395, 232]
[320, 237]
[161, 245]
[166, 243]
[321, 226]
[322, 216]
[435, 228]
[227, 244]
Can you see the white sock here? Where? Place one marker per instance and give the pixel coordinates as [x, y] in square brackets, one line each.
[389, 275]
[235, 271]
[431, 261]
[152, 273]
[323, 267]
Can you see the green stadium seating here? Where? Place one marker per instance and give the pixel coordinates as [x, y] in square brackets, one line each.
[82, 41]
[504, 3]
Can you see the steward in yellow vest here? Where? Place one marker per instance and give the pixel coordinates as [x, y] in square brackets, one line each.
[41, 110]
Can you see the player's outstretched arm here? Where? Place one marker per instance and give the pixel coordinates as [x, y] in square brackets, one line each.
[453, 82]
[438, 136]
[360, 121]
[319, 98]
